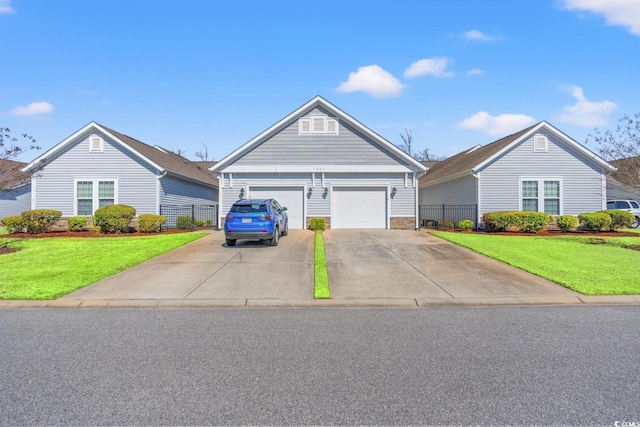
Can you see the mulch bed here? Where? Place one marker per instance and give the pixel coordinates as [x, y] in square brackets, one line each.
[556, 233]
[92, 233]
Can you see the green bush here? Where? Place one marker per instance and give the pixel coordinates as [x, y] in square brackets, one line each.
[596, 221]
[567, 223]
[150, 223]
[619, 219]
[199, 223]
[318, 224]
[528, 222]
[13, 224]
[114, 218]
[77, 223]
[465, 225]
[40, 220]
[184, 223]
[446, 224]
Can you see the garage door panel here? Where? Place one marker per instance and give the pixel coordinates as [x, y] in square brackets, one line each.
[359, 207]
[290, 197]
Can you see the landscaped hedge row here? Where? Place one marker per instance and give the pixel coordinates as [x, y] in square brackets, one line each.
[607, 220]
[34, 221]
[528, 222]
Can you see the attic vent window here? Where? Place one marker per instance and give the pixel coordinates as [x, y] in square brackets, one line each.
[318, 125]
[540, 143]
[96, 143]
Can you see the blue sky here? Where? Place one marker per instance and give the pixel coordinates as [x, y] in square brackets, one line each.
[181, 74]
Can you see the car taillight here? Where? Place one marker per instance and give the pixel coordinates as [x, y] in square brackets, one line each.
[267, 217]
[229, 217]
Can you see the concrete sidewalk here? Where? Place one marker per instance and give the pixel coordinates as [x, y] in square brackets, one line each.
[367, 268]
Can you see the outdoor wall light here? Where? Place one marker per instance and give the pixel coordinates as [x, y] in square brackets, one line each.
[394, 190]
[309, 191]
[326, 190]
[241, 192]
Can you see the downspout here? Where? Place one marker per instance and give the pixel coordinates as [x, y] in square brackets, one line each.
[162, 175]
[416, 186]
[477, 177]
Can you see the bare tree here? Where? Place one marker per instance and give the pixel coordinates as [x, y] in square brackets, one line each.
[179, 151]
[622, 148]
[423, 155]
[10, 148]
[204, 155]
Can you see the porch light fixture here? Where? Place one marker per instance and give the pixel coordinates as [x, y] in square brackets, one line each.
[394, 190]
[326, 190]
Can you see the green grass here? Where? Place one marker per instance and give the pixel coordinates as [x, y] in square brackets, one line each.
[321, 288]
[590, 265]
[48, 268]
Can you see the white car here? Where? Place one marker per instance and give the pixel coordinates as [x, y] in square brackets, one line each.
[629, 206]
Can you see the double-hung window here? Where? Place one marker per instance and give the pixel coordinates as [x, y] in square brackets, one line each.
[92, 194]
[541, 195]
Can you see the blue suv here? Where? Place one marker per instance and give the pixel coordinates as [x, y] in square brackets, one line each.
[256, 219]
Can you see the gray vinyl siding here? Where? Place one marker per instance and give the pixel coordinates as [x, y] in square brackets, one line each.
[16, 201]
[461, 191]
[174, 191]
[55, 185]
[317, 203]
[581, 179]
[350, 147]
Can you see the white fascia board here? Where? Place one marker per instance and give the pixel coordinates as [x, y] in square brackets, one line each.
[319, 101]
[558, 133]
[62, 145]
[448, 178]
[316, 168]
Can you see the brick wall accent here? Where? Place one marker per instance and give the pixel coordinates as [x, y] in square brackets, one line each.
[403, 223]
[326, 219]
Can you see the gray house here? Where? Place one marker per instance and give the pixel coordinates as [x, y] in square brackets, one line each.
[17, 197]
[320, 162]
[624, 183]
[537, 169]
[97, 166]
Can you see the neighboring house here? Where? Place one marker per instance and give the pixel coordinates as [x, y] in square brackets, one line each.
[537, 169]
[624, 183]
[17, 197]
[320, 162]
[97, 166]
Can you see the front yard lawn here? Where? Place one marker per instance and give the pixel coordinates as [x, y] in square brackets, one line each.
[48, 268]
[591, 265]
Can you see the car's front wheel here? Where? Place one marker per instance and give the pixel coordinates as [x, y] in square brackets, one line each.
[275, 238]
[231, 242]
[286, 228]
[636, 222]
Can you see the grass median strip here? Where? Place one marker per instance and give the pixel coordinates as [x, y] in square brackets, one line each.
[590, 265]
[48, 268]
[321, 288]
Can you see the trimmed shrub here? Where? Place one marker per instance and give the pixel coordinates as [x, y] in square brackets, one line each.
[114, 218]
[446, 224]
[619, 219]
[13, 224]
[596, 221]
[318, 224]
[40, 220]
[184, 223]
[527, 222]
[567, 223]
[465, 225]
[199, 223]
[150, 223]
[77, 223]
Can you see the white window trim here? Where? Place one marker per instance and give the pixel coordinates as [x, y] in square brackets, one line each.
[540, 137]
[325, 127]
[95, 198]
[541, 197]
[100, 140]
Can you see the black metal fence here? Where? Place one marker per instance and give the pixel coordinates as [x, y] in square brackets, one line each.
[444, 217]
[190, 217]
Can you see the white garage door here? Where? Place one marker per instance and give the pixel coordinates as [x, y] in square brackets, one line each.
[290, 197]
[359, 207]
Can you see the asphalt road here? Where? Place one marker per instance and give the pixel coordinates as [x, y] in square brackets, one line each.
[561, 365]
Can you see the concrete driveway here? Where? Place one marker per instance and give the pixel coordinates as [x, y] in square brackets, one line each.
[366, 267]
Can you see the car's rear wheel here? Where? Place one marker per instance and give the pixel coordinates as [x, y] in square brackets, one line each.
[275, 238]
[635, 223]
[231, 242]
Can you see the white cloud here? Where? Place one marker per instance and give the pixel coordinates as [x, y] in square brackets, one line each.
[475, 72]
[586, 113]
[433, 66]
[504, 124]
[33, 109]
[616, 12]
[374, 80]
[5, 7]
[475, 35]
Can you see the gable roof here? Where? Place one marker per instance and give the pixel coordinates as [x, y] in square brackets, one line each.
[472, 160]
[11, 174]
[161, 160]
[317, 101]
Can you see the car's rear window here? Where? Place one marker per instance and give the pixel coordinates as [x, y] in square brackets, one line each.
[249, 208]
